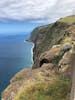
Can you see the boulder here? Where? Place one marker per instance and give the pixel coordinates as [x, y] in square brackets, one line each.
[66, 47]
[66, 59]
[65, 65]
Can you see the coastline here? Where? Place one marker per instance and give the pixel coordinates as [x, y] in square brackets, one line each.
[32, 53]
[33, 45]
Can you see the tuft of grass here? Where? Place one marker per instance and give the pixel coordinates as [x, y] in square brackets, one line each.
[20, 78]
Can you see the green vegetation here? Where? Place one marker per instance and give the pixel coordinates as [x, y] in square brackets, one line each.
[19, 78]
[66, 39]
[52, 35]
[58, 89]
[55, 60]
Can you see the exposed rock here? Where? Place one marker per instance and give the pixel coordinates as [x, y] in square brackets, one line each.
[65, 59]
[47, 56]
[65, 64]
[48, 66]
[56, 46]
[66, 47]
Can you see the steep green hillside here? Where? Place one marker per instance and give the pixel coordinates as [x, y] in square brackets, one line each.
[47, 37]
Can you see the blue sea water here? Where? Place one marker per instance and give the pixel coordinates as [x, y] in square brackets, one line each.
[15, 54]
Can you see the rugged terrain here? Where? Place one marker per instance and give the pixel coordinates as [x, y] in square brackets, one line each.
[50, 78]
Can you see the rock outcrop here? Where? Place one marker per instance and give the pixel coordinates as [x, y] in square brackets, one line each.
[47, 56]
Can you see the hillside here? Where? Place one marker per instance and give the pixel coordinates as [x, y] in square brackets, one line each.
[47, 37]
[68, 20]
[50, 78]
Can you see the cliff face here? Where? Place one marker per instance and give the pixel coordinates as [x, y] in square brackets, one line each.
[46, 37]
[50, 78]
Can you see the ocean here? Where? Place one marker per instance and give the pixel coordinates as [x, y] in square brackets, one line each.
[15, 54]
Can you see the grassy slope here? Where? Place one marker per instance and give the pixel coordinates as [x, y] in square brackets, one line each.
[69, 19]
[58, 89]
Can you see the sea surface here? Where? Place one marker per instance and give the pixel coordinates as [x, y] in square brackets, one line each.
[15, 54]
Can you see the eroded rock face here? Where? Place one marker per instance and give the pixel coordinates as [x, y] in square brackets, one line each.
[43, 61]
[47, 56]
[65, 64]
[65, 59]
[48, 66]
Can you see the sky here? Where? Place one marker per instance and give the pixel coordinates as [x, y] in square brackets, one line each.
[14, 28]
[22, 16]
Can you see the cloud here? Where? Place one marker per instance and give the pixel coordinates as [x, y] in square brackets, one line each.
[62, 9]
[43, 11]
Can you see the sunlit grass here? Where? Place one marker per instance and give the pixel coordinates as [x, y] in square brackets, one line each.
[59, 89]
[69, 19]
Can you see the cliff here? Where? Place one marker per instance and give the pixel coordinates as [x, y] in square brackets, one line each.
[50, 78]
[46, 37]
